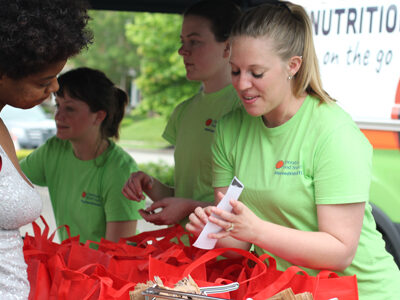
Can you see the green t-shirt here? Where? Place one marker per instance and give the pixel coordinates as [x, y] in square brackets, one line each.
[191, 129]
[317, 157]
[84, 194]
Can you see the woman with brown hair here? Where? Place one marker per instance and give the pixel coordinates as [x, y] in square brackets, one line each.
[205, 51]
[82, 166]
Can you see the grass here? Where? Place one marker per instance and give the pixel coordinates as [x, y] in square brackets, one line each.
[141, 132]
[22, 153]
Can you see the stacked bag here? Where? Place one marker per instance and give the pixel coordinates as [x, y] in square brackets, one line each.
[72, 270]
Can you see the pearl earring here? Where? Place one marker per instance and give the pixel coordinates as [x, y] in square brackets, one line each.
[290, 77]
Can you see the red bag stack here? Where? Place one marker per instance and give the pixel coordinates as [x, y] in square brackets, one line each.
[72, 270]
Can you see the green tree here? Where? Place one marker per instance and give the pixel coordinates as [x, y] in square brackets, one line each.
[111, 52]
[162, 79]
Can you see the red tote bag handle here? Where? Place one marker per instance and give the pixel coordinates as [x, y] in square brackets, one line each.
[280, 283]
[107, 291]
[159, 233]
[325, 274]
[47, 229]
[271, 261]
[166, 234]
[217, 252]
[87, 273]
[115, 249]
[59, 227]
[40, 237]
[43, 237]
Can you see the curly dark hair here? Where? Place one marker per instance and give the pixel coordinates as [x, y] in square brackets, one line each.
[36, 33]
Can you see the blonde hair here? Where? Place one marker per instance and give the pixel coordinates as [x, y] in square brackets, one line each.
[289, 26]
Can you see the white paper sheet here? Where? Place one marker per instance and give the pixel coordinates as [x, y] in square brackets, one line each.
[233, 192]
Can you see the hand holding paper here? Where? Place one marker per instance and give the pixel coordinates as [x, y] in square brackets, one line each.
[233, 192]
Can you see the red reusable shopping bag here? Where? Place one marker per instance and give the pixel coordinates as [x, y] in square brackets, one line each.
[39, 279]
[91, 282]
[38, 249]
[205, 271]
[326, 285]
[132, 256]
[71, 270]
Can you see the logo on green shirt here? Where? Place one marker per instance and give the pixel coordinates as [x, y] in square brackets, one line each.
[92, 199]
[210, 125]
[288, 167]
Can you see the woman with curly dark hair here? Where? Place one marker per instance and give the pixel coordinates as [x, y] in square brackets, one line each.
[36, 39]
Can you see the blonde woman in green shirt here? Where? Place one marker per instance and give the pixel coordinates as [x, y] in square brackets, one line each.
[205, 51]
[305, 165]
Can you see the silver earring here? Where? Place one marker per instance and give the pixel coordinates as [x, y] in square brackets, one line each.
[290, 77]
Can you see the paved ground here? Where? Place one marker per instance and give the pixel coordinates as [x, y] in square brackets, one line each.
[140, 156]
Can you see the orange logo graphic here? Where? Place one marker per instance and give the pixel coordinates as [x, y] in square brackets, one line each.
[279, 164]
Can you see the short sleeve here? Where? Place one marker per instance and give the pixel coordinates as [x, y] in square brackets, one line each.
[342, 167]
[116, 206]
[223, 170]
[33, 165]
[172, 126]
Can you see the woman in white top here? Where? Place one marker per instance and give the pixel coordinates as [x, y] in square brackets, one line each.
[36, 39]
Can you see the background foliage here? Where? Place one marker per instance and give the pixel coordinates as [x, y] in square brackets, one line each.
[142, 47]
[161, 170]
[111, 52]
[162, 79]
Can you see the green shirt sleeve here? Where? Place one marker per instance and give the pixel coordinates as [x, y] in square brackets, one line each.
[116, 206]
[343, 163]
[172, 127]
[33, 165]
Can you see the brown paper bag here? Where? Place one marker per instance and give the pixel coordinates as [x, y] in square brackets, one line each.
[288, 294]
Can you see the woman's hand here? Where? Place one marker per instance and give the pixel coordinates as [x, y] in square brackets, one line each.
[239, 224]
[168, 211]
[137, 183]
[198, 219]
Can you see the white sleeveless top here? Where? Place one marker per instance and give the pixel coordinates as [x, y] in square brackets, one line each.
[20, 204]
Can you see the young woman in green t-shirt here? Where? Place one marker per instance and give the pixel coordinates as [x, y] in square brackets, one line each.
[205, 51]
[305, 166]
[82, 166]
